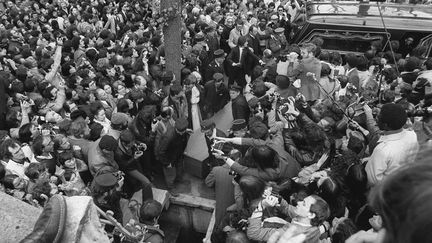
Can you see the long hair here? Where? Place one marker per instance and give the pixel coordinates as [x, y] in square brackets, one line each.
[252, 188]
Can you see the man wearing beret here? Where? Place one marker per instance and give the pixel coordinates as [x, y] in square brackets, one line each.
[170, 152]
[216, 65]
[106, 192]
[216, 95]
[119, 122]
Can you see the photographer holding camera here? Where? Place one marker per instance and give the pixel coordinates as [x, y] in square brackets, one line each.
[127, 156]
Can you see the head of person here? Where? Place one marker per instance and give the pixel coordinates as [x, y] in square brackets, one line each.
[11, 149]
[219, 79]
[108, 144]
[352, 60]
[103, 184]
[27, 132]
[265, 157]
[252, 187]
[392, 117]
[140, 82]
[239, 128]
[219, 55]
[181, 125]
[127, 140]
[239, 24]
[403, 201]
[150, 212]
[234, 91]
[242, 41]
[176, 91]
[119, 121]
[97, 111]
[53, 117]
[308, 50]
[61, 142]
[79, 128]
[313, 209]
[207, 127]
[342, 229]
[12, 181]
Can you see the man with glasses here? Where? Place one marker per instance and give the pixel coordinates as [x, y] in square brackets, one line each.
[12, 152]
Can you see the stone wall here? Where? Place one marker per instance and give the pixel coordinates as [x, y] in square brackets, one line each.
[17, 218]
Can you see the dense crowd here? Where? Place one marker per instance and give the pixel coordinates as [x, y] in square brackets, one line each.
[88, 107]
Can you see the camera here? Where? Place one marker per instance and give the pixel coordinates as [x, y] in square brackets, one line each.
[235, 175]
[139, 147]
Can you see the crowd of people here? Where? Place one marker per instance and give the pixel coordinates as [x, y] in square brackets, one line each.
[88, 107]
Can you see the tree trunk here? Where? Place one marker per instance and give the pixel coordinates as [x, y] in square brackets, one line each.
[172, 38]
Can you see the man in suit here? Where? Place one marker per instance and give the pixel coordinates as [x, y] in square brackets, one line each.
[216, 95]
[352, 72]
[240, 107]
[220, 178]
[242, 61]
[215, 66]
[277, 41]
[253, 42]
[308, 66]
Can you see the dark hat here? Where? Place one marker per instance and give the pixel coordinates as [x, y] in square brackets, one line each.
[279, 30]
[181, 124]
[127, 136]
[106, 180]
[219, 53]
[393, 115]
[218, 76]
[119, 119]
[236, 88]
[238, 124]
[199, 37]
[207, 124]
[258, 129]
[109, 143]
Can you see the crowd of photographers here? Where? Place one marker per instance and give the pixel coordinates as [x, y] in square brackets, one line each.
[87, 107]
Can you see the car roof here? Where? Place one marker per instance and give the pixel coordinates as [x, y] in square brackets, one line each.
[350, 13]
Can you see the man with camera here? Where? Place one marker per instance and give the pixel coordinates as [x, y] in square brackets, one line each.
[127, 156]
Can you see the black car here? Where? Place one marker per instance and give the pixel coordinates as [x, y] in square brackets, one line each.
[349, 26]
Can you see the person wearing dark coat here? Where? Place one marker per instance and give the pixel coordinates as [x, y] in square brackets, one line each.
[240, 107]
[127, 158]
[253, 41]
[216, 96]
[241, 62]
[170, 152]
[215, 66]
